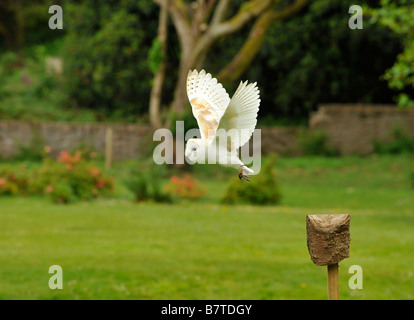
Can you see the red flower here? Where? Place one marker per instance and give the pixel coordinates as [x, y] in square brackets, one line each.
[94, 171]
[3, 182]
[49, 189]
[100, 184]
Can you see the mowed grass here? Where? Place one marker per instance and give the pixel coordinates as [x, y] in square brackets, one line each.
[116, 249]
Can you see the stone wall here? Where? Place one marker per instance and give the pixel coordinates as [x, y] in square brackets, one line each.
[280, 140]
[351, 129]
[127, 139]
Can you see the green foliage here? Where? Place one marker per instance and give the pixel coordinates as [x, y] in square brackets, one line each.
[261, 190]
[314, 142]
[401, 143]
[155, 55]
[315, 58]
[24, 84]
[14, 181]
[399, 17]
[106, 55]
[110, 53]
[62, 193]
[145, 182]
[412, 179]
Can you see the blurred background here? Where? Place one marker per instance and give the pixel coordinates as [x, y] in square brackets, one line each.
[79, 187]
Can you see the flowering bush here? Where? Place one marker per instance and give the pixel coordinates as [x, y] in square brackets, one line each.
[145, 181]
[68, 159]
[68, 178]
[7, 187]
[71, 177]
[185, 188]
[14, 181]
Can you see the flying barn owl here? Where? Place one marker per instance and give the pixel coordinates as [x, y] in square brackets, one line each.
[218, 116]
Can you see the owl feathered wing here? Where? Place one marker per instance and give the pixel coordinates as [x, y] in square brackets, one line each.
[208, 100]
[241, 114]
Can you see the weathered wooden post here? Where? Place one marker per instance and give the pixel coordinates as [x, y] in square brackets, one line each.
[328, 239]
[108, 148]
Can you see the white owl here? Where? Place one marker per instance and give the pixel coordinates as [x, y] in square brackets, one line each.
[220, 117]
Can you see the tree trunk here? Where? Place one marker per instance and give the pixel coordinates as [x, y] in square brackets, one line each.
[197, 34]
[156, 90]
[180, 101]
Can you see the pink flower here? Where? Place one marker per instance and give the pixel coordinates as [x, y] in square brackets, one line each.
[26, 79]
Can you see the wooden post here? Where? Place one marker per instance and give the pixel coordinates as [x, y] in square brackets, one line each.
[333, 282]
[328, 240]
[108, 148]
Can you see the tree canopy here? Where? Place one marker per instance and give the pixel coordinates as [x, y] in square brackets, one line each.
[399, 17]
[301, 52]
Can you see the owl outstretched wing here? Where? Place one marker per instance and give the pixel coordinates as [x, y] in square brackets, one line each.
[208, 100]
[240, 118]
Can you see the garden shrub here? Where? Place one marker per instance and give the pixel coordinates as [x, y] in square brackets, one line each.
[261, 190]
[69, 178]
[14, 180]
[61, 192]
[145, 182]
[401, 143]
[185, 188]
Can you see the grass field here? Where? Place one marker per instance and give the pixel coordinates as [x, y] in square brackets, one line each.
[116, 249]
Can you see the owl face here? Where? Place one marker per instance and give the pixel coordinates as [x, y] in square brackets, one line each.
[193, 150]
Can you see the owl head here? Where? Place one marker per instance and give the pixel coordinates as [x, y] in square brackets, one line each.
[194, 150]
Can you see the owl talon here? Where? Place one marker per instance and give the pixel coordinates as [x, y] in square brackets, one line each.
[243, 176]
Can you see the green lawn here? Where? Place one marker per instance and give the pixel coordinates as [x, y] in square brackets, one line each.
[116, 249]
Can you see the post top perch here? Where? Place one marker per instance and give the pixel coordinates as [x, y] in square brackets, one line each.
[328, 238]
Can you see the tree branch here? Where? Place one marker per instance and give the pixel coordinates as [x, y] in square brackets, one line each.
[246, 13]
[156, 90]
[220, 12]
[252, 45]
[289, 11]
